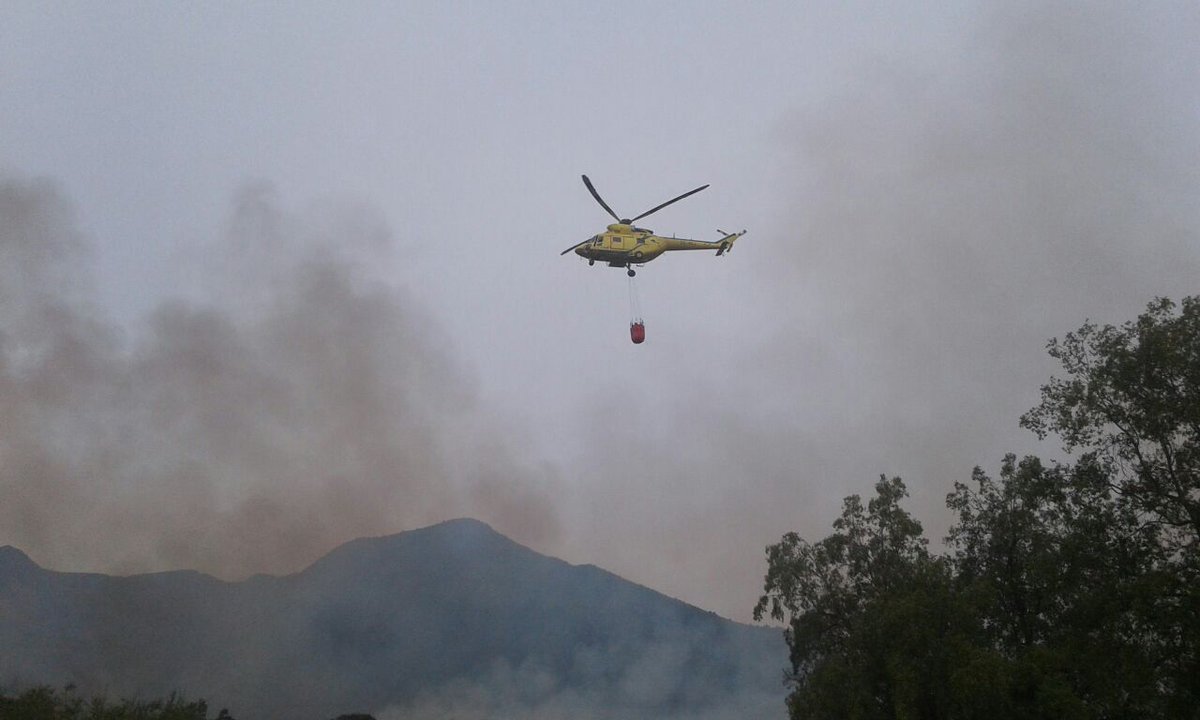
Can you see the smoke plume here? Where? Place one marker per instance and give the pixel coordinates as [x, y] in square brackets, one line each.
[300, 403]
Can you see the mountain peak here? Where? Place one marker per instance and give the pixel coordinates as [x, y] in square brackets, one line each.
[13, 560]
[459, 525]
[461, 538]
[454, 532]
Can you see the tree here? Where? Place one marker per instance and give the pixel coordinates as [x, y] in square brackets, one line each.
[866, 611]
[1130, 405]
[45, 703]
[1067, 590]
[1053, 564]
[1131, 400]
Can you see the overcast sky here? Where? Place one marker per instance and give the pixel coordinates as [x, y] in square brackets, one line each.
[279, 275]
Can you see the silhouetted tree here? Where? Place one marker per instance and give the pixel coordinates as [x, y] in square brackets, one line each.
[1067, 591]
[1131, 401]
[1053, 565]
[45, 703]
[1130, 405]
[867, 613]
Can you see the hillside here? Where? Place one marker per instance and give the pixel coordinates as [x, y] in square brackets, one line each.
[453, 619]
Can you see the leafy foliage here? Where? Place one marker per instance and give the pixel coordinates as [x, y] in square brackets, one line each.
[1131, 401]
[1066, 591]
[1056, 566]
[45, 703]
[822, 585]
[1131, 404]
[861, 605]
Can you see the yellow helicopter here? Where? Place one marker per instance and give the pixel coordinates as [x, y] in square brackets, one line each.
[623, 244]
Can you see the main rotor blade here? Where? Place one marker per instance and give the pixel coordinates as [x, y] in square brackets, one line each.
[600, 200]
[660, 207]
[564, 252]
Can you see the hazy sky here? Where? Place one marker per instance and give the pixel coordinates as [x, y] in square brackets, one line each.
[278, 275]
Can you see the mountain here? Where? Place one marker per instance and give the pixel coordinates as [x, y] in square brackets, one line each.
[454, 620]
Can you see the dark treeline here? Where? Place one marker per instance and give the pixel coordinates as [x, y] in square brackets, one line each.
[46, 703]
[1066, 590]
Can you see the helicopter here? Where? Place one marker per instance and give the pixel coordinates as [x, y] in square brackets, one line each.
[623, 244]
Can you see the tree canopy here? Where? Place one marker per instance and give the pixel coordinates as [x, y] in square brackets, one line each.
[1131, 401]
[1066, 590]
[46, 703]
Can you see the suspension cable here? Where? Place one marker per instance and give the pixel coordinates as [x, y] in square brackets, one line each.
[635, 303]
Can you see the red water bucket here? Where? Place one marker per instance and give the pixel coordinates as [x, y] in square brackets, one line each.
[637, 332]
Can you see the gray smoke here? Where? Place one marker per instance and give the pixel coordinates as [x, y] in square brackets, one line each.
[959, 198]
[611, 688]
[300, 403]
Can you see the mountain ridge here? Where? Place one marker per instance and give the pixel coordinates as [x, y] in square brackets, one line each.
[398, 621]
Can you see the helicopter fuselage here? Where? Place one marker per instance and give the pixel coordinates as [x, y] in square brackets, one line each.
[621, 245]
